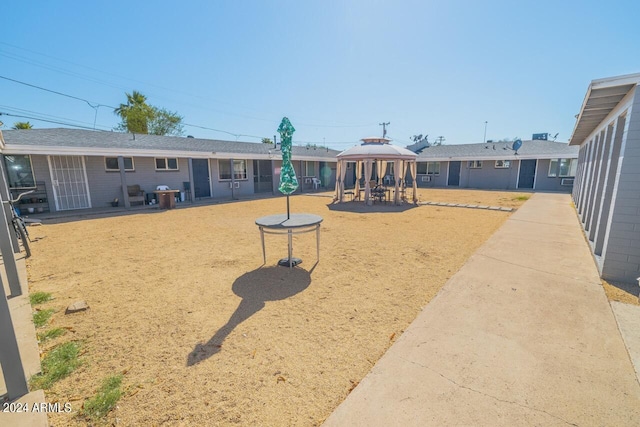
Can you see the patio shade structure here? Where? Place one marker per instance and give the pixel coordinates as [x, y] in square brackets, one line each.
[376, 150]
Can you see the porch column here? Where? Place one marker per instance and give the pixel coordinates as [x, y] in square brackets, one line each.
[192, 198]
[123, 182]
[12, 368]
[6, 235]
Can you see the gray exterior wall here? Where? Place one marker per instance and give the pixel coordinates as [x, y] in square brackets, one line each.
[104, 186]
[544, 182]
[622, 250]
[607, 193]
[488, 177]
[492, 178]
[439, 180]
[221, 188]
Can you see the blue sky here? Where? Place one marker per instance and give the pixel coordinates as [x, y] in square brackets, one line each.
[336, 68]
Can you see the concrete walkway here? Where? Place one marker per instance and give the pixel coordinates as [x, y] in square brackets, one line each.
[522, 335]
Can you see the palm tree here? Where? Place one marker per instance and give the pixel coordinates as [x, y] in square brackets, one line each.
[22, 125]
[135, 114]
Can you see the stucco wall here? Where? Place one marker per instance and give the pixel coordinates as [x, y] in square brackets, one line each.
[544, 182]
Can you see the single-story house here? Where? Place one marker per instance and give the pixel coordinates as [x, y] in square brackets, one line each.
[537, 165]
[82, 169]
[607, 188]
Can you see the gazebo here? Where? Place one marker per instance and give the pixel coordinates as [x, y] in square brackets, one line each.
[378, 151]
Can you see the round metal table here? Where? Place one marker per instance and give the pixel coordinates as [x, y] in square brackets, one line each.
[295, 224]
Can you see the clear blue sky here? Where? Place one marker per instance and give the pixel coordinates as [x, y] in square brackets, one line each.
[335, 68]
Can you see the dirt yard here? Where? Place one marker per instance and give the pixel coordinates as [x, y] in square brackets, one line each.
[181, 302]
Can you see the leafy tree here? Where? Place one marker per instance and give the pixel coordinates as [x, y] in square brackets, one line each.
[267, 141]
[22, 125]
[135, 114]
[165, 122]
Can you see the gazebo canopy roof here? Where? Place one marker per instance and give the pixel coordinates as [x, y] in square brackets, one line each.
[376, 148]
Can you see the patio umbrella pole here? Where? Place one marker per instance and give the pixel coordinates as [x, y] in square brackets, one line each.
[288, 207]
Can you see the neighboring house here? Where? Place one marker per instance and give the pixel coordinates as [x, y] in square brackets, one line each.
[81, 169]
[537, 165]
[607, 189]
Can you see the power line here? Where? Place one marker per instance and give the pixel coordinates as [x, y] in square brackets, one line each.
[16, 110]
[30, 61]
[56, 92]
[97, 105]
[44, 120]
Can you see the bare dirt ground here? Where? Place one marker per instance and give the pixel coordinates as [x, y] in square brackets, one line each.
[622, 292]
[181, 302]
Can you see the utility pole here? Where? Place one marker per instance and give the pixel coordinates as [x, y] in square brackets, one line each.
[384, 128]
[440, 140]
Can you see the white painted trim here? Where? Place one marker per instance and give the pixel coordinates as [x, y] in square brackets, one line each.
[130, 152]
[86, 181]
[624, 104]
[448, 166]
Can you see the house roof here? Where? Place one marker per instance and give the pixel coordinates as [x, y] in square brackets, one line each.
[602, 97]
[535, 149]
[63, 141]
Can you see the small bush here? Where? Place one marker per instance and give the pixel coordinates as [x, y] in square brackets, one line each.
[57, 364]
[41, 317]
[521, 198]
[51, 334]
[39, 297]
[105, 399]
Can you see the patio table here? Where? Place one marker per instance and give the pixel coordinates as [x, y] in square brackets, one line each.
[295, 224]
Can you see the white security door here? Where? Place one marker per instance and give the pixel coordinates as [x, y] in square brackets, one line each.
[69, 182]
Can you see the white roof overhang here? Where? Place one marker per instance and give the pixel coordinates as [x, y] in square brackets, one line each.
[131, 152]
[602, 97]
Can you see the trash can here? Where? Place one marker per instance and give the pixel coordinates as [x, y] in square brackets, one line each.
[167, 201]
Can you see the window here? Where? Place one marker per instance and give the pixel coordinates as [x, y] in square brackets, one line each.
[563, 167]
[166, 163]
[475, 164]
[239, 169]
[428, 168]
[503, 164]
[19, 171]
[111, 164]
[433, 168]
[309, 168]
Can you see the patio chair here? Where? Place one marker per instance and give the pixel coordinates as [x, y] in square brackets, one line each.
[136, 194]
[187, 190]
[379, 194]
[316, 183]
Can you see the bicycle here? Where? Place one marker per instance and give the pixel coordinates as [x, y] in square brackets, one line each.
[19, 224]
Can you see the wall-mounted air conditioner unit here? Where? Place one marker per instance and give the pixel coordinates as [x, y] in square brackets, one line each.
[426, 178]
[567, 181]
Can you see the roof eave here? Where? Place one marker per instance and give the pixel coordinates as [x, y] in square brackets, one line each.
[578, 135]
[47, 150]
